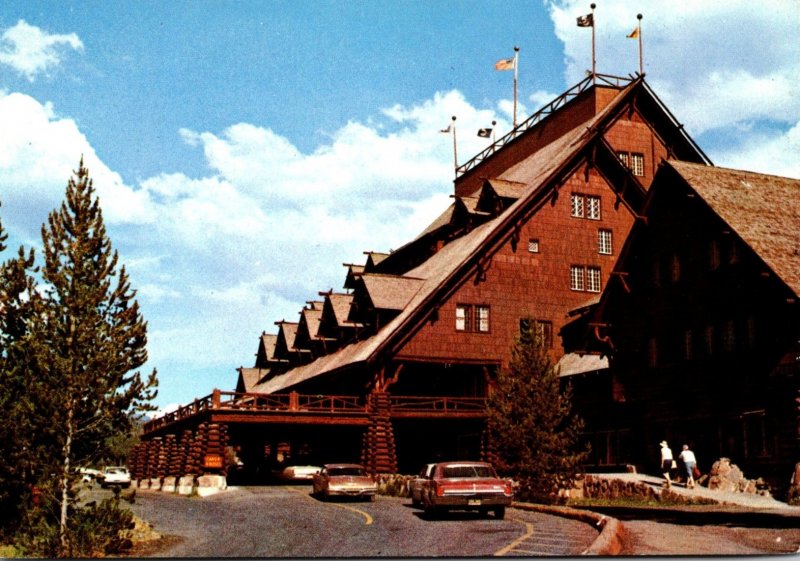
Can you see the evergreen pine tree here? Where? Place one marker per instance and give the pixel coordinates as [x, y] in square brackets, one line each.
[533, 433]
[90, 340]
[19, 301]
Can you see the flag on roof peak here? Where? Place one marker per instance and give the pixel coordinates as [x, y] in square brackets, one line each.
[586, 21]
[633, 34]
[505, 64]
[485, 132]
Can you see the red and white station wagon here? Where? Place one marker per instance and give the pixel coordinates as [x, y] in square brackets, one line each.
[466, 486]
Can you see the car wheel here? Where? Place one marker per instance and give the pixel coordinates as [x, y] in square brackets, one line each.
[500, 512]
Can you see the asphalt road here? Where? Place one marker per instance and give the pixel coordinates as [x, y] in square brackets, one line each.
[286, 521]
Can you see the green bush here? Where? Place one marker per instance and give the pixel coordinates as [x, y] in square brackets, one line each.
[94, 530]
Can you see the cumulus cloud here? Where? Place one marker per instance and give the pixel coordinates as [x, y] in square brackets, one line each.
[31, 51]
[719, 66]
[38, 151]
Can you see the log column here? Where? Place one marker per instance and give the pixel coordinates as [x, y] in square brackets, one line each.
[378, 450]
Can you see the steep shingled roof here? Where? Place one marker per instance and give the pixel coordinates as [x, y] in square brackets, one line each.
[764, 210]
[457, 259]
[390, 292]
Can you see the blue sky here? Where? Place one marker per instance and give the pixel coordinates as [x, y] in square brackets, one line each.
[243, 151]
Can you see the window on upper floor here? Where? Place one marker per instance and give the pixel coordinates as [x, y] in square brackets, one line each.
[593, 279]
[637, 164]
[577, 202]
[584, 279]
[472, 317]
[585, 206]
[604, 245]
[634, 161]
[533, 245]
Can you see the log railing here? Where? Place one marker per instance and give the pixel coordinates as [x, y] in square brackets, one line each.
[302, 404]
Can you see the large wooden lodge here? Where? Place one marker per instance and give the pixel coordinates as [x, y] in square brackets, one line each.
[665, 288]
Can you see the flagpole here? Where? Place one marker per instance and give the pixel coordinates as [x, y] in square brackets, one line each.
[641, 65]
[455, 152]
[494, 134]
[516, 66]
[594, 58]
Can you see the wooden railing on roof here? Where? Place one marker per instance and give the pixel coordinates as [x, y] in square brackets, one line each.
[541, 114]
[221, 401]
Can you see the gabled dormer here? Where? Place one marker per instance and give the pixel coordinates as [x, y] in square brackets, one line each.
[308, 327]
[377, 299]
[334, 328]
[285, 348]
[352, 272]
[496, 195]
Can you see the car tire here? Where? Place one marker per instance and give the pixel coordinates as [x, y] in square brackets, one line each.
[500, 512]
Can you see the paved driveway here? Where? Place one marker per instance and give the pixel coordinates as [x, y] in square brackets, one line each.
[285, 521]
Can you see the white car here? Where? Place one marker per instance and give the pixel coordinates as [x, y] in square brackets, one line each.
[115, 476]
[88, 475]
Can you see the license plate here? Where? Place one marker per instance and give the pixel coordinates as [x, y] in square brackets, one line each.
[474, 502]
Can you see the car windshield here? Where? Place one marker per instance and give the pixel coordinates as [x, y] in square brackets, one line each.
[346, 471]
[468, 471]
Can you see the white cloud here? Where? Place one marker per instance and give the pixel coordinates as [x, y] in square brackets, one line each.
[718, 66]
[38, 151]
[31, 51]
[773, 154]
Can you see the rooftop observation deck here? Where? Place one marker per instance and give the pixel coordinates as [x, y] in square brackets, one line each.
[294, 408]
[616, 82]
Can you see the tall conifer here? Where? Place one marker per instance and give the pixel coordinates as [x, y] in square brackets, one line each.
[18, 304]
[91, 339]
[533, 433]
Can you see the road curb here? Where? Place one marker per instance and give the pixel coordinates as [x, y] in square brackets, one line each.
[612, 532]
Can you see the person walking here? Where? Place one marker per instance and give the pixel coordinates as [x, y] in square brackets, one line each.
[689, 461]
[666, 462]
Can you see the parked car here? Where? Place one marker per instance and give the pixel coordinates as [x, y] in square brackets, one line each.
[466, 486]
[346, 480]
[416, 485]
[115, 476]
[297, 473]
[88, 474]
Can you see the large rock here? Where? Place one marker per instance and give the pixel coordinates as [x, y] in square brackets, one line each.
[725, 476]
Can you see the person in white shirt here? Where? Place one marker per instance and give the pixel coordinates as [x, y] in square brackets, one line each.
[689, 461]
[666, 461]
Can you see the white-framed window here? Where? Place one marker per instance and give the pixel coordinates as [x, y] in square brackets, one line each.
[471, 317]
[482, 319]
[637, 164]
[634, 161]
[584, 279]
[463, 317]
[604, 242]
[577, 202]
[593, 279]
[592, 207]
[577, 279]
[533, 245]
